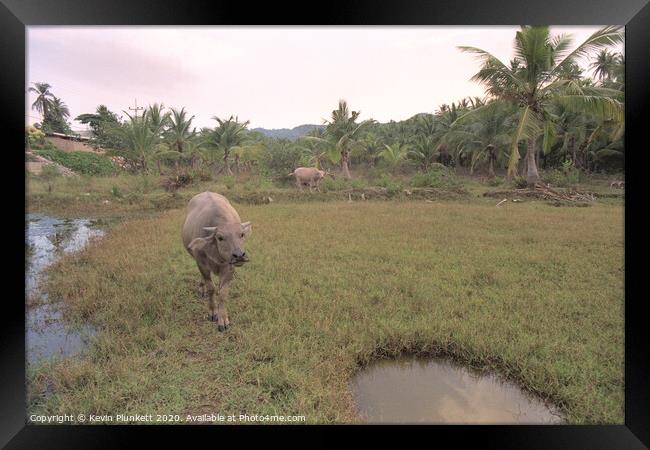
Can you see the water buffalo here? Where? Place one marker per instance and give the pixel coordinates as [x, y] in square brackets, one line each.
[214, 235]
[310, 176]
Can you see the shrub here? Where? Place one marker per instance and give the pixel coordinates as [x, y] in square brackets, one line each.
[35, 136]
[436, 178]
[280, 158]
[81, 162]
[229, 181]
[49, 172]
[392, 186]
[115, 192]
[334, 184]
[258, 184]
[357, 183]
[496, 181]
[562, 178]
[175, 182]
[201, 174]
[519, 182]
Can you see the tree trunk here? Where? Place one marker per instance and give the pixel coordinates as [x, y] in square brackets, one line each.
[532, 177]
[345, 157]
[573, 150]
[491, 158]
[226, 165]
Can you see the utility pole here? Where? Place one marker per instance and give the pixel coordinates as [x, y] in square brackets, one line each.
[136, 109]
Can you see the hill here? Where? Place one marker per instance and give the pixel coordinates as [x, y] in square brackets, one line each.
[288, 133]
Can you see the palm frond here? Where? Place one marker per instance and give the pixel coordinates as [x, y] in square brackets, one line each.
[606, 36]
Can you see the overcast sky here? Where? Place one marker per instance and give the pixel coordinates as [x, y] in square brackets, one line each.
[275, 77]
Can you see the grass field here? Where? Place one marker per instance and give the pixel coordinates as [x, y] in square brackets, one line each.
[528, 290]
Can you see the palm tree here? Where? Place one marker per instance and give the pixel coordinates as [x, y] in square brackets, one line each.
[445, 117]
[604, 64]
[535, 81]
[372, 145]
[484, 133]
[317, 151]
[140, 136]
[44, 98]
[59, 109]
[425, 143]
[393, 154]
[343, 130]
[178, 131]
[229, 135]
[157, 118]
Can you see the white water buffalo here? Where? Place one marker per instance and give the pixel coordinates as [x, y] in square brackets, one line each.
[214, 235]
[310, 176]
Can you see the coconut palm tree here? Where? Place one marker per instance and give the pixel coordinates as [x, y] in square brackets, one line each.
[535, 81]
[393, 154]
[603, 65]
[317, 151]
[158, 119]
[140, 137]
[424, 145]
[343, 130]
[59, 108]
[228, 135]
[372, 144]
[445, 117]
[44, 98]
[178, 131]
[484, 133]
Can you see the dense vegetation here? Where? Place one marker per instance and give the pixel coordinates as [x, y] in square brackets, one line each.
[85, 163]
[542, 105]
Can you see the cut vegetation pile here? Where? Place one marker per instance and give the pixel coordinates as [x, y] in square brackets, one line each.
[557, 198]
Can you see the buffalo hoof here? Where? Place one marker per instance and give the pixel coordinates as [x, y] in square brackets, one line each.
[212, 317]
[221, 328]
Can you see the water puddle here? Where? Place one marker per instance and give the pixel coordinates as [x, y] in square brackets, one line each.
[47, 240]
[414, 390]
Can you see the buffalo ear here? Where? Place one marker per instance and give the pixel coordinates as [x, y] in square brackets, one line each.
[212, 231]
[196, 245]
[246, 228]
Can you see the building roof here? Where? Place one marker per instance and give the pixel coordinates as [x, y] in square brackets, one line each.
[69, 136]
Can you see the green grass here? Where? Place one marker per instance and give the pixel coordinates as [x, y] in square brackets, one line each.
[85, 163]
[528, 290]
[135, 194]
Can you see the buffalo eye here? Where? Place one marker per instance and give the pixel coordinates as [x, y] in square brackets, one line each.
[242, 235]
[220, 238]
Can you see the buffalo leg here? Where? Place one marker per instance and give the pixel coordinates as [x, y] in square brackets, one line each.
[225, 277]
[207, 287]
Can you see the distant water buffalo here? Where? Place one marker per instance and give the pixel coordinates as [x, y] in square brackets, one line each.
[309, 176]
[214, 235]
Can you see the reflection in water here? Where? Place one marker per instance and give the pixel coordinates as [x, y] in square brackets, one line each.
[411, 390]
[47, 240]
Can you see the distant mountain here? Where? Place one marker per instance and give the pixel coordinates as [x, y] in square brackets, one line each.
[286, 133]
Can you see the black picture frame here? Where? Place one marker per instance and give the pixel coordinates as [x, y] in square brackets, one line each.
[15, 15]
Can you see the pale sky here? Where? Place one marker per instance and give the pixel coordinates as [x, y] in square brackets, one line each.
[276, 77]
